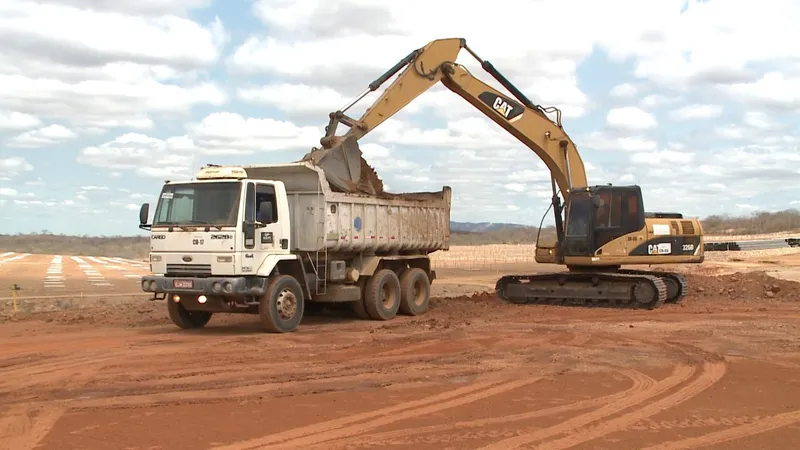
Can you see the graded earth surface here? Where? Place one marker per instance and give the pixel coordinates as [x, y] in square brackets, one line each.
[720, 370]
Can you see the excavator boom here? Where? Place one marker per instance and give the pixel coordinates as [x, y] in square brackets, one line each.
[421, 70]
[603, 227]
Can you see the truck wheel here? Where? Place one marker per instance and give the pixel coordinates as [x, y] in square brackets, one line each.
[184, 318]
[382, 295]
[415, 292]
[281, 307]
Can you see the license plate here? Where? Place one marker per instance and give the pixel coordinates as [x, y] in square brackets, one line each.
[182, 284]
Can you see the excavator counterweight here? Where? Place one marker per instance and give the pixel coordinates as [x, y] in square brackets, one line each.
[599, 228]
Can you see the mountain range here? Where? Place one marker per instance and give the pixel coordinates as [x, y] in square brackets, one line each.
[484, 227]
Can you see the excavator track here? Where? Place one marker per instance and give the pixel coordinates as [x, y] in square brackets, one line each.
[634, 290]
[677, 286]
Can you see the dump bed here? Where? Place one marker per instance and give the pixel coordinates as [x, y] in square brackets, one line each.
[344, 222]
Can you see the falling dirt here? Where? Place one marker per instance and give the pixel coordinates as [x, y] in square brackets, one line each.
[717, 371]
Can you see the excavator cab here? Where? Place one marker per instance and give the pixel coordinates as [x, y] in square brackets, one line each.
[598, 215]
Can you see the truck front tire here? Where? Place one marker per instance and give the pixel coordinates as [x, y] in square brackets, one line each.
[382, 295]
[415, 292]
[281, 307]
[184, 318]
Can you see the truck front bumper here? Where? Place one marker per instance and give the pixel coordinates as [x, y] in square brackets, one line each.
[208, 286]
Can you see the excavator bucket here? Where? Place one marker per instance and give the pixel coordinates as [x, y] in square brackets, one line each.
[345, 167]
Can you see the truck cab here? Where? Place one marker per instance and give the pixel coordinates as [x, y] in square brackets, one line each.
[211, 237]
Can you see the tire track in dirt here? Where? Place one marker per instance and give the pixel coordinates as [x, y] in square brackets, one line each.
[23, 427]
[680, 374]
[640, 382]
[712, 373]
[313, 434]
[115, 399]
[730, 434]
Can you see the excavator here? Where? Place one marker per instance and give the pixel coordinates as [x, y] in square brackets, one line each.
[599, 228]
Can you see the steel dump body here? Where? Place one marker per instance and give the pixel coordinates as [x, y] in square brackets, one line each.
[327, 221]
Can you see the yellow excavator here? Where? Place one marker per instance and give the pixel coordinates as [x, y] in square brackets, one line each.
[599, 228]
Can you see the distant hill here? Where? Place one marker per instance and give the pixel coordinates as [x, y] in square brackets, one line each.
[485, 227]
[461, 233]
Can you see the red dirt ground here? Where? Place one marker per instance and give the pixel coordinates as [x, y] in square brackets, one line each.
[718, 371]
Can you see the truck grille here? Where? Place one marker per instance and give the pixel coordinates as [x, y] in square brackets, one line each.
[189, 269]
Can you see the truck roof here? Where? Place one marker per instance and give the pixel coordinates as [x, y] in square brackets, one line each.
[220, 172]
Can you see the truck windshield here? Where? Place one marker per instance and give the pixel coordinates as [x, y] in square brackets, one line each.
[199, 204]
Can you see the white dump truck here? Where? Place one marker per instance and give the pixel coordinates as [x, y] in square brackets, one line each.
[277, 240]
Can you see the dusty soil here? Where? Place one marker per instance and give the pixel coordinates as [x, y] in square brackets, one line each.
[719, 371]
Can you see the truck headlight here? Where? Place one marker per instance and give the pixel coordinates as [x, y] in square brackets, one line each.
[224, 259]
[155, 258]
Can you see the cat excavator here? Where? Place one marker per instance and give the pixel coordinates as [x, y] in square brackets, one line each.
[599, 228]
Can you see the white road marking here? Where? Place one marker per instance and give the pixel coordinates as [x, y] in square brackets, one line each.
[98, 261]
[3, 255]
[127, 267]
[14, 258]
[95, 277]
[54, 279]
[134, 263]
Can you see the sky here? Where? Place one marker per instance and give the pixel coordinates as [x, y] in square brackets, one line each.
[102, 100]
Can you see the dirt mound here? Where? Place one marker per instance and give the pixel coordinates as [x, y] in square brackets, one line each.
[751, 286]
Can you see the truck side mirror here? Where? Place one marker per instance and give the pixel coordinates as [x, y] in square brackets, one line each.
[249, 229]
[144, 211]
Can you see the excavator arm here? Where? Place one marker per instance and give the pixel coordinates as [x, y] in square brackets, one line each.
[421, 69]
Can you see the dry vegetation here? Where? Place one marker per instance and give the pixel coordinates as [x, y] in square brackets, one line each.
[519, 240]
[133, 247]
[757, 223]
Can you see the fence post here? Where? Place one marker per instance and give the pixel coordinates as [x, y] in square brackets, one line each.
[14, 288]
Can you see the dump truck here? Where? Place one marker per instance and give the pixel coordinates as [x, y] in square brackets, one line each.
[278, 241]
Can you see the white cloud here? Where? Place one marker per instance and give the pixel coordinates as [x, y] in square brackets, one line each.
[141, 154]
[145, 7]
[17, 121]
[295, 98]
[677, 48]
[14, 166]
[220, 133]
[624, 90]
[81, 65]
[230, 133]
[773, 90]
[49, 30]
[665, 158]
[694, 112]
[305, 39]
[630, 118]
[604, 141]
[43, 137]
[655, 100]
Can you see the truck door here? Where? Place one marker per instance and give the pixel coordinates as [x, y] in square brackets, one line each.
[261, 207]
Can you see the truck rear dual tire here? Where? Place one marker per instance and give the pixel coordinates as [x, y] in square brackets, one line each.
[386, 294]
[184, 318]
[281, 307]
[382, 295]
[415, 292]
